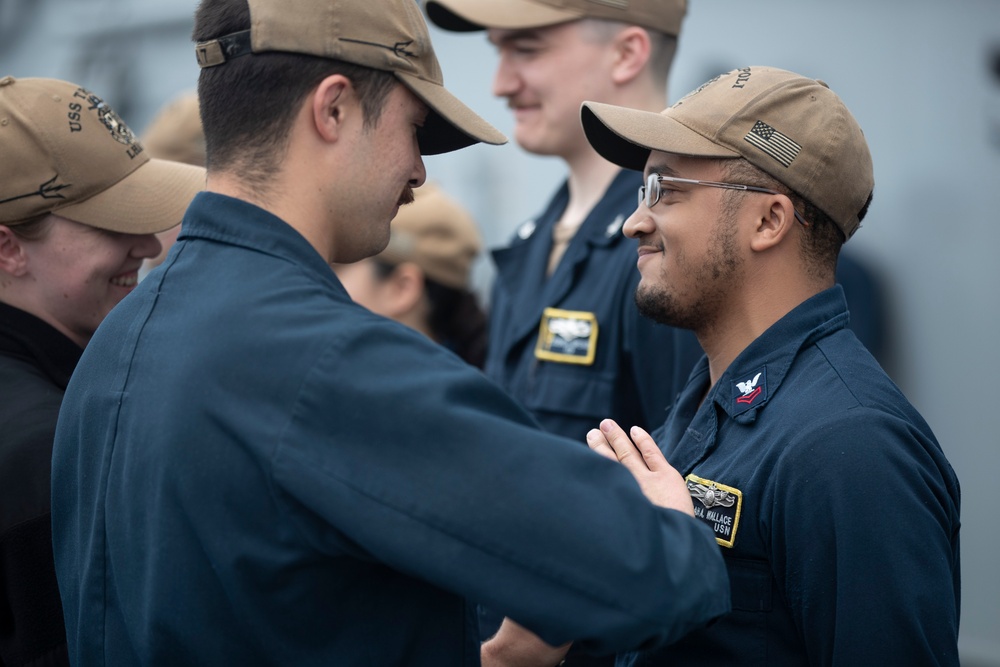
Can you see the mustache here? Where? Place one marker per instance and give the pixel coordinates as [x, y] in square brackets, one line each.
[513, 103]
[644, 240]
[406, 197]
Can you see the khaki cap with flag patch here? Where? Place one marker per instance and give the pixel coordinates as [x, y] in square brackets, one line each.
[388, 35]
[467, 15]
[436, 234]
[65, 151]
[792, 127]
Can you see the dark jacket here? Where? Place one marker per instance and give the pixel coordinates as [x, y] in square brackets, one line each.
[35, 365]
[832, 502]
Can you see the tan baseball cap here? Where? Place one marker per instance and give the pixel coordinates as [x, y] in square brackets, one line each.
[175, 132]
[437, 234]
[467, 15]
[792, 127]
[388, 35]
[65, 151]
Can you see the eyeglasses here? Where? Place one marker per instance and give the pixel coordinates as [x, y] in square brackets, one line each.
[650, 193]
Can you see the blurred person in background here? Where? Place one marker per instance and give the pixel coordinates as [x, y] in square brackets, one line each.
[80, 202]
[422, 278]
[565, 338]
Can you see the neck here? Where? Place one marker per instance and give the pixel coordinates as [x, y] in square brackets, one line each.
[227, 183]
[589, 173]
[745, 318]
[589, 177]
[283, 199]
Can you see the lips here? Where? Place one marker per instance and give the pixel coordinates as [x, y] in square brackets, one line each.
[648, 250]
[519, 108]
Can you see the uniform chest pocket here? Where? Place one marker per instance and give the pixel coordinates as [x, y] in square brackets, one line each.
[750, 584]
[580, 391]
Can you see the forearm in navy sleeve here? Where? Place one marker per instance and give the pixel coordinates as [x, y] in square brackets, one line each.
[457, 487]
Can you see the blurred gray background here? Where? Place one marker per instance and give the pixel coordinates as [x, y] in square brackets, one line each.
[921, 76]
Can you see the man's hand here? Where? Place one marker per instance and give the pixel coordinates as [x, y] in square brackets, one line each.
[515, 646]
[659, 481]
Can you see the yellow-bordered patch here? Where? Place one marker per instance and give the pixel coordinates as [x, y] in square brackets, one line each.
[567, 337]
[717, 505]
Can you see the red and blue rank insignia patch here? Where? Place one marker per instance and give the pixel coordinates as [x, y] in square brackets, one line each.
[567, 337]
[750, 391]
[717, 505]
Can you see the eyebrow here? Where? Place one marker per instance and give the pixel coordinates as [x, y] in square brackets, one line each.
[660, 168]
[530, 34]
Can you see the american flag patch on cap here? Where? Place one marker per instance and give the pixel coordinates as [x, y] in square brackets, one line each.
[772, 142]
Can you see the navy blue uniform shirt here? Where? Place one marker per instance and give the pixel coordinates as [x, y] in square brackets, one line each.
[251, 469]
[601, 358]
[832, 502]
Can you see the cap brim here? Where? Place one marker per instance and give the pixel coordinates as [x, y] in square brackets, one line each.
[151, 199]
[470, 15]
[450, 125]
[626, 136]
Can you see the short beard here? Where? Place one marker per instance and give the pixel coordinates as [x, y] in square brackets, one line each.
[659, 305]
[712, 281]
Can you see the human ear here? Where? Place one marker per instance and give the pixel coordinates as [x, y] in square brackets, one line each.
[632, 51]
[404, 289]
[13, 258]
[331, 105]
[775, 220]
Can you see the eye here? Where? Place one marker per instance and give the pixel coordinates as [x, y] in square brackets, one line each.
[419, 122]
[523, 48]
[668, 189]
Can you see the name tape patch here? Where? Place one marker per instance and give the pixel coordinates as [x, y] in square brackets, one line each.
[717, 505]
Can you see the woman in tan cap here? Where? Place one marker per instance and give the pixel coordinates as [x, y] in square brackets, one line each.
[80, 204]
[422, 278]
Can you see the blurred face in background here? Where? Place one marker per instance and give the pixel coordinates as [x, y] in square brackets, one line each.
[545, 74]
[364, 284]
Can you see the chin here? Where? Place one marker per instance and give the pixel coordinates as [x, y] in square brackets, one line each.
[658, 305]
[536, 149]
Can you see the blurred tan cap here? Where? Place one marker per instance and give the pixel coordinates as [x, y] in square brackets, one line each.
[664, 16]
[436, 234]
[175, 133]
[65, 151]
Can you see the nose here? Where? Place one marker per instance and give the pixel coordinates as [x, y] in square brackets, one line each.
[639, 223]
[505, 81]
[419, 174]
[145, 246]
